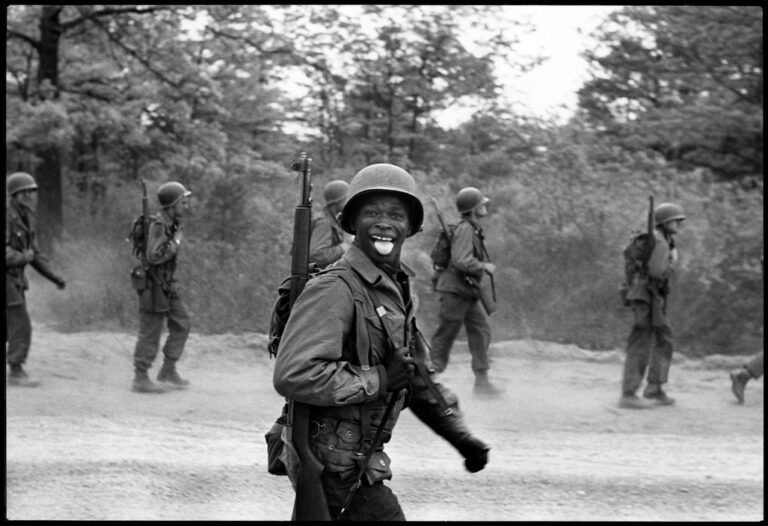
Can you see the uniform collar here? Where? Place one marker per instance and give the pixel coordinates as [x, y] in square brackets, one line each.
[367, 269]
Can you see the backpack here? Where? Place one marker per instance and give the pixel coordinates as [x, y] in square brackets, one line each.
[635, 256]
[441, 252]
[136, 236]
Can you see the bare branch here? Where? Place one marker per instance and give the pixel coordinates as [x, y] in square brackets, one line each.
[110, 12]
[10, 33]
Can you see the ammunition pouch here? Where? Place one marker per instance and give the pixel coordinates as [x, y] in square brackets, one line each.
[139, 278]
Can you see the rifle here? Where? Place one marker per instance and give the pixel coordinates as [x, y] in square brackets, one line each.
[489, 303]
[310, 503]
[651, 244]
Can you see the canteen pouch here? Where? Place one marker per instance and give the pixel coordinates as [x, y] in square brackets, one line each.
[274, 438]
[139, 278]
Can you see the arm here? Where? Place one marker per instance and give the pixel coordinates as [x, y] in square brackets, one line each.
[463, 251]
[310, 366]
[321, 248]
[160, 248]
[13, 257]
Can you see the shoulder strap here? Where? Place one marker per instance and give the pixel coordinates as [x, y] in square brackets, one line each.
[361, 297]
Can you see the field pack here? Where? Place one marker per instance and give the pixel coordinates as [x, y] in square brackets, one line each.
[441, 252]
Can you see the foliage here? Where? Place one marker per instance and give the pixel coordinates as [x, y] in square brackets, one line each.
[684, 82]
[149, 94]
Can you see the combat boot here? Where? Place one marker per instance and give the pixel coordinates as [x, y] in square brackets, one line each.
[739, 381]
[19, 377]
[169, 375]
[484, 387]
[632, 401]
[142, 383]
[656, 394]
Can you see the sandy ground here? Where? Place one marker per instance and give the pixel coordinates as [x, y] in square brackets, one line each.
[83, 446]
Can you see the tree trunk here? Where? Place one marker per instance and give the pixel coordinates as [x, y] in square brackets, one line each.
[48, 173]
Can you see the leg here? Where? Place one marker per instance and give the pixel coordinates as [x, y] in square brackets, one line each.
[755, 366]
[661, 359]
[178, 332]
[370, 503]
[636, 362]
[478, 336]
[150, 328]
[452, 309]
[178, 329]
[18, 334]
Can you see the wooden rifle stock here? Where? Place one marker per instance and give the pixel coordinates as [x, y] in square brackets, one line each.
[310, 503]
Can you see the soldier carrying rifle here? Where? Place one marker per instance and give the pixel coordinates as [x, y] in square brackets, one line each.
[351, 353]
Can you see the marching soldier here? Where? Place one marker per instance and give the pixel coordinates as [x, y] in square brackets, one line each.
[327, 243]
[649, 346]
[458, 286]
[160, 300]
[21, 249]
[346, 351]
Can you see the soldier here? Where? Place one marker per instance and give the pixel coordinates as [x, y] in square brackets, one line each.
[21, 248]
[160, 299]
[649, 346]
[752, 369]
[459, 292]
[349, 375]
[327, 243]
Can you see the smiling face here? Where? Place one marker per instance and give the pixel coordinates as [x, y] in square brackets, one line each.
[381, 225]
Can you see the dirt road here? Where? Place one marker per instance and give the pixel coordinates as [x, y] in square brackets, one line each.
[83, 446]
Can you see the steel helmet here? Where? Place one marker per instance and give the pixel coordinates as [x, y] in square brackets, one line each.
[171, 193]
[335, 191]
[668, 212]
[19, 181]
[468, 198]
[382, 177]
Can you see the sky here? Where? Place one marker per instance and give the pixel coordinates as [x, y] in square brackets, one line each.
[549, 90]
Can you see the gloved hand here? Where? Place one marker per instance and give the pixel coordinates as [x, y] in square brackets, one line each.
[400, 369]
[475, 453]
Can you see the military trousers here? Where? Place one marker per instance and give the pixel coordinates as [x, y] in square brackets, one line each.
[18, 332]
[151, 327]
[649, 347]
[371, 502]
[455, 311]
[755, 366]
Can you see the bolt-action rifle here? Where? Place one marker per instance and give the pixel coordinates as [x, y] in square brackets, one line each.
[488, 300]
[650, 245]
[310, 503]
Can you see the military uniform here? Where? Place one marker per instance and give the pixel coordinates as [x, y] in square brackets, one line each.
[459, 300]
[160, 300]
[325, 245]
[19, 237]
[335, 355]
[649, 346]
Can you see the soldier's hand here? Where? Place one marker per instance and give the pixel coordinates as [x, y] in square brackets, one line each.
[400, 369]
[490, 268]
[29, 254]
[61, 284]
[475, 453]
[178, 237]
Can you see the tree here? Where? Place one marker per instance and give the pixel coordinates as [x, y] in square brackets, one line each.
[684, 82]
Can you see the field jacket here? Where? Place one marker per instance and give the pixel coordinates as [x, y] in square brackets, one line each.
[325, 243]
[467, 255]
[651, 278]
[20, 236]
[330, 361]
[162, 251]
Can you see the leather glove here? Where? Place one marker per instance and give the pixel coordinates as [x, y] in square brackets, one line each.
[400, 369]
[475, 453]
